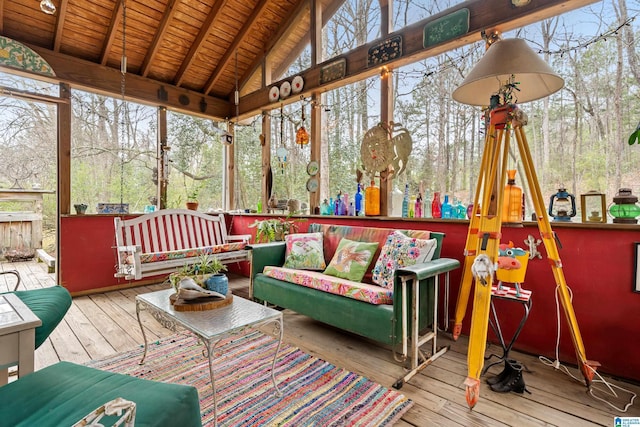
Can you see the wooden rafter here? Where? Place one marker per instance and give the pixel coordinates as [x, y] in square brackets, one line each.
[212, 17]
[60, 19]
[237, 40]
[116, 19]
[157, 39]
[285, 29]
[327, 14]
[1, 16]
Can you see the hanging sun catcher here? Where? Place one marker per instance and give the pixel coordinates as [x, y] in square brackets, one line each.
[302, 136]
[282, 151]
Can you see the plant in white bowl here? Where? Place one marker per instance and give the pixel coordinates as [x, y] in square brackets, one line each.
[207, 273]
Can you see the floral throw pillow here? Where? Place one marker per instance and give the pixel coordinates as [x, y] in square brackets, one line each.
[401, 251]
[304, 251]
[351, 259]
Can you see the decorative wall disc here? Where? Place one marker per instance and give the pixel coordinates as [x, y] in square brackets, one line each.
[285, 90]
[297, 84]
[274, 94]
[313, 168]
[312, 184]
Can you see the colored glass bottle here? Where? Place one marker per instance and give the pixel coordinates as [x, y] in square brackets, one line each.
[405, 202]
[447, 209]
[418, 208]
[372, 200]
[358, 197]
[412, 207]
[512, 203]
[461, 211]
[436, 207]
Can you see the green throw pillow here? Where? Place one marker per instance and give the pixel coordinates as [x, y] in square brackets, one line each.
[304, 251]
[351, 259]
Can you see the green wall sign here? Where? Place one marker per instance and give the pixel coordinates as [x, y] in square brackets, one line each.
[446, 28]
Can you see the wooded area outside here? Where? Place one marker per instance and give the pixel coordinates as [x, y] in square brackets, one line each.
[577, 136]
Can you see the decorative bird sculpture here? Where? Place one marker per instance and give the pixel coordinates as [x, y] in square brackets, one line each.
[482, 268]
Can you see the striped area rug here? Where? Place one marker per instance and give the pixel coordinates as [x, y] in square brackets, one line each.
[315, 393]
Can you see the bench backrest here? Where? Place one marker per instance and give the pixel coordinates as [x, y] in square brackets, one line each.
[171, 229]
[332, 234]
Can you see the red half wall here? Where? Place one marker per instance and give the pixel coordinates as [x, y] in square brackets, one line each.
[598, 264]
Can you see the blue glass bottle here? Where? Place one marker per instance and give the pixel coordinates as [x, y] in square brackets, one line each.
[447, 209]
[405, 202]
[358, 197]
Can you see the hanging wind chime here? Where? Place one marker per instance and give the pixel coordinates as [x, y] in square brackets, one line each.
[123, 124]
[302, 136]
[282, 151]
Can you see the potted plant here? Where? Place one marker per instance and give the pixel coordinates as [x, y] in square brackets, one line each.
[192, 199]
[207, 273]
[274, 229]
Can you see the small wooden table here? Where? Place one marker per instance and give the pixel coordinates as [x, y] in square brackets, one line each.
[17, 336]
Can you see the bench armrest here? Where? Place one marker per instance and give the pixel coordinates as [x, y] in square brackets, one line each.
[431, 268]
[263, 254]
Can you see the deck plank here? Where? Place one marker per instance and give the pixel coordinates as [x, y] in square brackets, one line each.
[103, 324]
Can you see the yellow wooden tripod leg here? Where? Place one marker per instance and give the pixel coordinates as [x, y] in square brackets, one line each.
[587, 367]
[471, 244]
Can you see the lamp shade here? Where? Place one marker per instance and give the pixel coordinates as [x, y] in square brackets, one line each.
[503, 58]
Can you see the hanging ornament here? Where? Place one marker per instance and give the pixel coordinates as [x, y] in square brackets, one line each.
[282, 151]
[302, 136]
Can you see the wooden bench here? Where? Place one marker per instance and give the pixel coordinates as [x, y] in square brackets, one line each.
[162, 242]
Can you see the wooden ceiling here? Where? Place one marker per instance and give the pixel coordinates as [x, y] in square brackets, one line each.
[189, 54]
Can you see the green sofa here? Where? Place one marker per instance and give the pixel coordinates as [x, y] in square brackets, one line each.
[382, 323]
[62, 394]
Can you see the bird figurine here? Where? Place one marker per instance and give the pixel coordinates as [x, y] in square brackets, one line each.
[483, 268]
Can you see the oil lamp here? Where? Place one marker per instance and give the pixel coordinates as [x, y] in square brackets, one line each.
[624, 209]
[562, 205]
[593, 207]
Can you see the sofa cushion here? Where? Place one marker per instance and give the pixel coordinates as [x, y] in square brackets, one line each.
[304, 251]
[352, 259]
[189, 253]
[314, 279]
[401, 251]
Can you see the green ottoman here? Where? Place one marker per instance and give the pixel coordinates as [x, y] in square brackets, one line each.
[49, 304]
[62, 394]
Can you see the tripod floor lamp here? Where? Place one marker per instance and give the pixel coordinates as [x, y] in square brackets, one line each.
[509, 71]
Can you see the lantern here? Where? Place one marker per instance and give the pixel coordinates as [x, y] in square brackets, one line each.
[562, 205]
[624, 209]
[593, 207]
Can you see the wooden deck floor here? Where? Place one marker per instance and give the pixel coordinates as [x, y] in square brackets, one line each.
[104, 324]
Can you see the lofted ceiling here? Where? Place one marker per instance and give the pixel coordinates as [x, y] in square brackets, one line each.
[202, 46]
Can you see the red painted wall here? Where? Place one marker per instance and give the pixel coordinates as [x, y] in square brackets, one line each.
[598, 264]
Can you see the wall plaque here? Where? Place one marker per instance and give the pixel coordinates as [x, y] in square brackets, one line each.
[446, 28]
[385, 51]
[333, 71]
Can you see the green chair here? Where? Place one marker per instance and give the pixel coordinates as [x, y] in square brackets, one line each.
[63, 393]
[48, 304]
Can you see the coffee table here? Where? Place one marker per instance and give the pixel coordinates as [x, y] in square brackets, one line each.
[210, 326]
[17, 336]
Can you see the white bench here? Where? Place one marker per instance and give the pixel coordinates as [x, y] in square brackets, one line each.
[164, 241]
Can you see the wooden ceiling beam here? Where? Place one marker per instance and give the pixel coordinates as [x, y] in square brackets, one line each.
[237, 41]
[61, 16]
[294, 53]
[285, 29]
[167, 16]
[484, 15]
[116, 19]
[213, 15]
[1, 16]
[90, 76]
